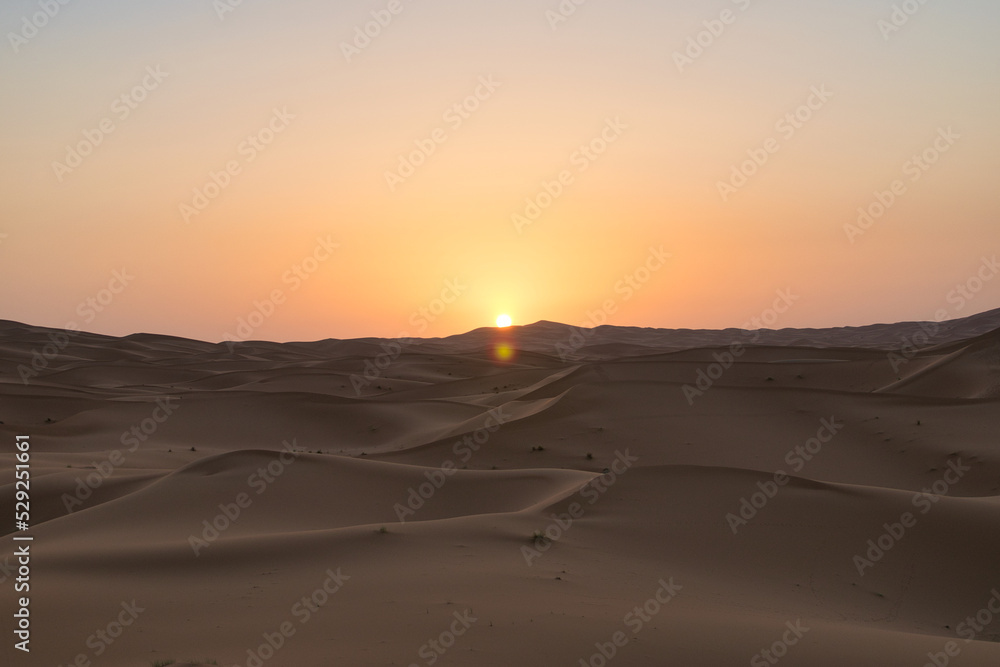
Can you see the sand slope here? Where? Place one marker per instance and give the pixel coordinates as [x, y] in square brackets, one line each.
[404, 505]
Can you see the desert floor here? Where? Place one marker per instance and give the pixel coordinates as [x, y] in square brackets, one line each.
[809, 499]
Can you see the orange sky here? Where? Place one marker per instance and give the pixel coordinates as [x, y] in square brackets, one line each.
[266, 167]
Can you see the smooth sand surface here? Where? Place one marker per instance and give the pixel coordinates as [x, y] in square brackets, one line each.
[406, 505]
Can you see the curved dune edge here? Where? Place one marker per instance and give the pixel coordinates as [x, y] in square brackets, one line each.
[607, 482]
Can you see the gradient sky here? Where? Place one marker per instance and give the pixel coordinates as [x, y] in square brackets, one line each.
[681, 130]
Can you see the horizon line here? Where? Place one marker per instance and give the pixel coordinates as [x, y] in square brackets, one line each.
[4, 324]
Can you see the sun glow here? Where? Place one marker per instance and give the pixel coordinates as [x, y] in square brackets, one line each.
[504, 321]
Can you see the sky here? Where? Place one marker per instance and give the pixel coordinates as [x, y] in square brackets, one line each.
[300, 170]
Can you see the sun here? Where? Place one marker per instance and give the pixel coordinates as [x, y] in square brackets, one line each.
[504, 321]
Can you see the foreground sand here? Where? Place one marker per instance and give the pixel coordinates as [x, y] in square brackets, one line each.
[138, 442]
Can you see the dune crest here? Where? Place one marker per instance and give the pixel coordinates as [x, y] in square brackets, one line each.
[836, 487]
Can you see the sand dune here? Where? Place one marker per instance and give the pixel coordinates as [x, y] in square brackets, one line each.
[820, 497]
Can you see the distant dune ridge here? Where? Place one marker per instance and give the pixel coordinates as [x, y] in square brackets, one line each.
[544, 336]
[539, 495]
